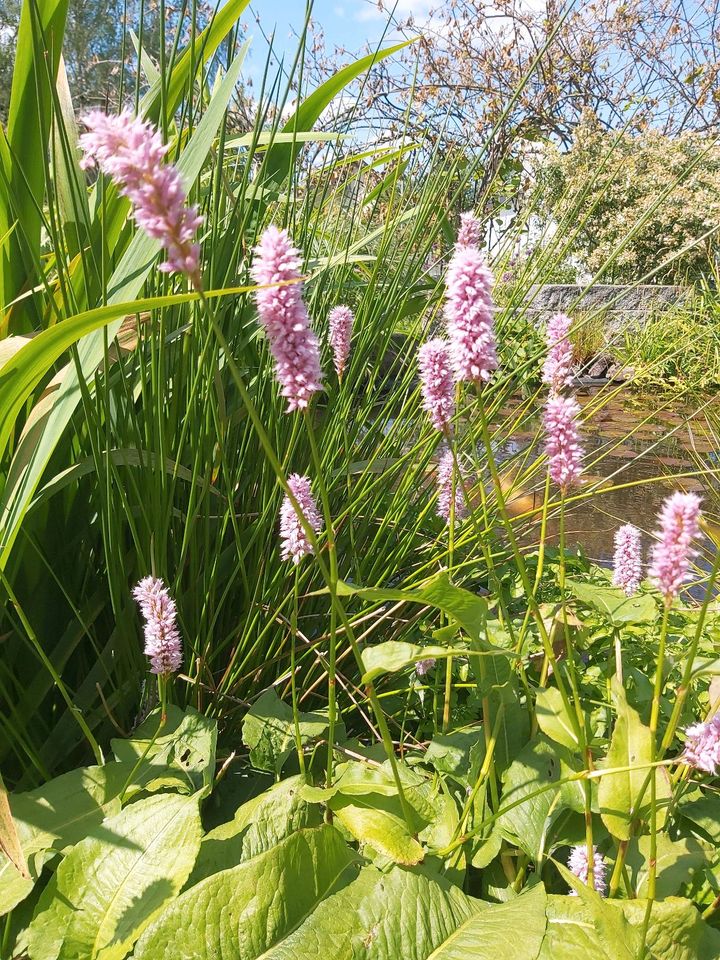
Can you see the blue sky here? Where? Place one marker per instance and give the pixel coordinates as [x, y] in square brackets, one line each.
[346, 23]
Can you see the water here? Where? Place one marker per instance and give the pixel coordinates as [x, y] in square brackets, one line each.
[626, 440]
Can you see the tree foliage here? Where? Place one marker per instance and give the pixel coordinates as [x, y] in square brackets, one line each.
[641, 198]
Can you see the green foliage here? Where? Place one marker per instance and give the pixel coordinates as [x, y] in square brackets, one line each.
[414, 815]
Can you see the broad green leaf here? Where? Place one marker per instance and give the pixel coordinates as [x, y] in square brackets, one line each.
[364, 780]
[676, 931]
[619, 794]
[704, 812]
[614, 604]
[553, 718]
[393, 655]
[247, 911]
[499, 682]
[258, 825]
[406, 914]
[468, 609]
[182, 756]
[269, 731]
[677, 860]
[54, 817]
[113, 884]
[540, 764]
[34, 450]
[613, 931]
[572, 932]
[508, 931]
[458, 754]
[377, 822]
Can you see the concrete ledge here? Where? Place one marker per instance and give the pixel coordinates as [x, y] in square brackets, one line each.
[623, 303]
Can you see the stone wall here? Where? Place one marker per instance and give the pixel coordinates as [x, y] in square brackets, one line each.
[624, 305]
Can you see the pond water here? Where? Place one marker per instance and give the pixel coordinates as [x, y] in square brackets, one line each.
[656, 446]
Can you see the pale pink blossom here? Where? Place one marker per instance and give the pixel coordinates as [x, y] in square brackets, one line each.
[437, 383]
[702, 745]
[470, 230]
[578, 864]
[295, 543]
[562, 440]
[673, 553]
[423, 667]
[162, 638]
[627, 568]
[340, 324]
[283, 314]
[469, 313]
[130, 151]
[446, 475]
[558, 362]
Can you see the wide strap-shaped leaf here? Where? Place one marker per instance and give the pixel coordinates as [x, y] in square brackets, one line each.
[113, 883]
[55, 816]
[181, 757]
[22, 184]
[257, 826]
[540, 764]
[280, 156]
[624, 797]
[468, 609]
[244, 912]
[406, 914]
[33, 451]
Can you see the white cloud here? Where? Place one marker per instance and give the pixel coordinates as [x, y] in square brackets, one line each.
[400, 10]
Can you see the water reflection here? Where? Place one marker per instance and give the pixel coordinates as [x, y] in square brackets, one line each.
[627, 441]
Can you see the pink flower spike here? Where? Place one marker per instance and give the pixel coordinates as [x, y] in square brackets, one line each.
[702, 745]
[578, 864]
[437, 383]
[162, 637]
[470, 230]
[295, 544]
[469, 311]
[558, 362]
[282, 312]
[131, 152]
[627, 571]
[340, 324]
[562, 441]
[445, 471]
[671, 556]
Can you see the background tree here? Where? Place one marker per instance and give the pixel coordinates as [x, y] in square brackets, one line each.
[622, 191]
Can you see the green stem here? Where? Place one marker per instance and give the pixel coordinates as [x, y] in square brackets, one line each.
[572, 670]
[522, 569]
[74, 711]
[451, 558]
[332, 585]
[293, 683]
[162, 690]
[654, 717]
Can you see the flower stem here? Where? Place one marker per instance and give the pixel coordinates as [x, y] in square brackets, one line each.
[332, 585]
[293, 683]
[654, 717]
